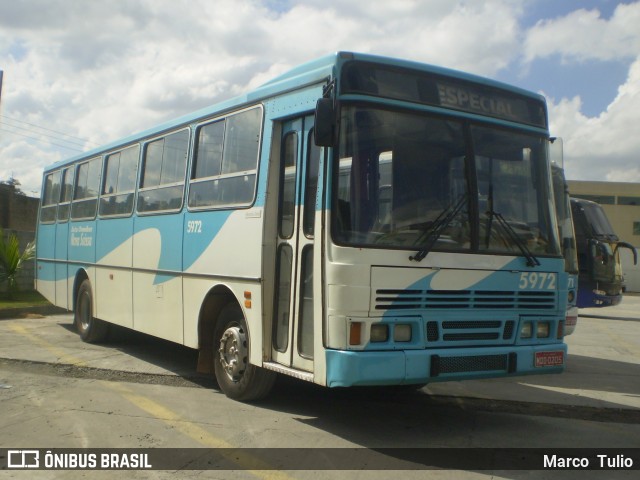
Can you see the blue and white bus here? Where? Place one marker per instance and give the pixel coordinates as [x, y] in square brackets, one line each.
[358, 220]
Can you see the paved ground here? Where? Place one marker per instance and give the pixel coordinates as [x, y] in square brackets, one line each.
[603, 366]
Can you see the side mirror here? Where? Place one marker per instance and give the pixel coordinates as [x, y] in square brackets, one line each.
[630, 247]
[325, 123]
[556, 153]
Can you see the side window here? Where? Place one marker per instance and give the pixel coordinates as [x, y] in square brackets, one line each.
[311, 185]
[66, 194]
[226, 161]
[50, 197]
[85, 197]
[119, 184]
[288, 165]
[163, 171]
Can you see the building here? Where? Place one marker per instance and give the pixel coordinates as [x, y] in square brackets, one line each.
[17, 211]
[621, 203]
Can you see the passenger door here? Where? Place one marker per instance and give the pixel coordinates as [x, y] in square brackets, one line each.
[295, 303]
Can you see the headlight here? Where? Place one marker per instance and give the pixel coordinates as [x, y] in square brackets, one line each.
[402, 333]
[526, 330]
[379, 332]
[542, 330]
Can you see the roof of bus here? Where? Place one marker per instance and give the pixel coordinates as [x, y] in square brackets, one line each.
[306, 74]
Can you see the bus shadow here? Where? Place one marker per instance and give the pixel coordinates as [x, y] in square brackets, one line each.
[177, 360]
[416, 430]
[604, 384]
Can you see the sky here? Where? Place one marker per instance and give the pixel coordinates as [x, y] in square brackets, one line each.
[81, 73]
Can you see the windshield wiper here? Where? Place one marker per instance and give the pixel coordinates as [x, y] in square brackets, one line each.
[430, 236]
[532, 261]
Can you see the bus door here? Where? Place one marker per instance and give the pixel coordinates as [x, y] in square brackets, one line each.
[295, 301]
[63, 299]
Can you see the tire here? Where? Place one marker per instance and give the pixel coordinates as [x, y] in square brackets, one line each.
[91, 329]
[237, 378]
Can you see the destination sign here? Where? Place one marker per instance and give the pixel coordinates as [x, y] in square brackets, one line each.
[439, 90]
[464, 99]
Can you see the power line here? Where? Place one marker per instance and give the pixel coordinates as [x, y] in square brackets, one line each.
[83, 140]
[71, 142]
[42, 141]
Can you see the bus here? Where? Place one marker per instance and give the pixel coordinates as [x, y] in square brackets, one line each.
[357, 221]
[567, 237]
[601, 281]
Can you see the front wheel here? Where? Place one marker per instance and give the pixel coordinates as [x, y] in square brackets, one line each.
[91, 329]
[237, 378]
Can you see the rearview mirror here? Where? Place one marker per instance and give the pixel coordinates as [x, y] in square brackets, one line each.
[325, 123]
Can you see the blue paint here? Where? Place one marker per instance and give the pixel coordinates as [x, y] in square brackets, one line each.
[196, 242]
[350, 368]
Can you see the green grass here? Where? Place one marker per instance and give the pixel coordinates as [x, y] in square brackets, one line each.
[22, 299]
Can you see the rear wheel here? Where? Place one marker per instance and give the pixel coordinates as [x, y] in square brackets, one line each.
[91, 329]
[237, 378]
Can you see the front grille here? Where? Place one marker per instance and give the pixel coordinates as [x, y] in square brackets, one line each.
[469, 330]
[474, 363]
[391, 299]
[463, 337]
[508, 330]
[432, 331]
[470, 324]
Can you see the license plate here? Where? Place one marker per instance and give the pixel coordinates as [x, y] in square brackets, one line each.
[549, 359]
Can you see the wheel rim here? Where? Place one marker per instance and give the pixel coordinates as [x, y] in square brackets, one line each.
[85, 310]
[233, 352]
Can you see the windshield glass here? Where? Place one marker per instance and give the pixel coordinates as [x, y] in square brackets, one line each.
[598, 219]
[404, 179]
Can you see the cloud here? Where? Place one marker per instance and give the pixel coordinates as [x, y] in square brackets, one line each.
[103, 70]
[606, 146]
[584, 35]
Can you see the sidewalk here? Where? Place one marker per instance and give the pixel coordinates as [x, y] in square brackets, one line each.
[628, 309]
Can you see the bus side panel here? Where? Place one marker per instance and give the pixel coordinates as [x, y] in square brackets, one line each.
[157, 279]
[224, 247]
[45, 273]
[62, 277]
[114, 279]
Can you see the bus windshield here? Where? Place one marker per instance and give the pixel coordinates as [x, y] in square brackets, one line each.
[600, 226]
[401, 176]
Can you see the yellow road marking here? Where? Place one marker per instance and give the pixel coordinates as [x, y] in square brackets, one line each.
[248, 462]
[61, 354]
[251, 464]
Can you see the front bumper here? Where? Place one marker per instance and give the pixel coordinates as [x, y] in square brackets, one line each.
[353, 368]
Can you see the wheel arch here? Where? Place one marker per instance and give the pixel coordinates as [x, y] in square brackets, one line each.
[81, 276]
[216, 299]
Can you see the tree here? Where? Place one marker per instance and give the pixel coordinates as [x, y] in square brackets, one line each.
[15, 183]
[12, 261]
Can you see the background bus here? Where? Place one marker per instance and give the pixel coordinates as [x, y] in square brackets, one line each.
[358, 220]
[601, 281]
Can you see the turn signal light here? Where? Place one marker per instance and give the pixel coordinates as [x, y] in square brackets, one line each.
[355, 333]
